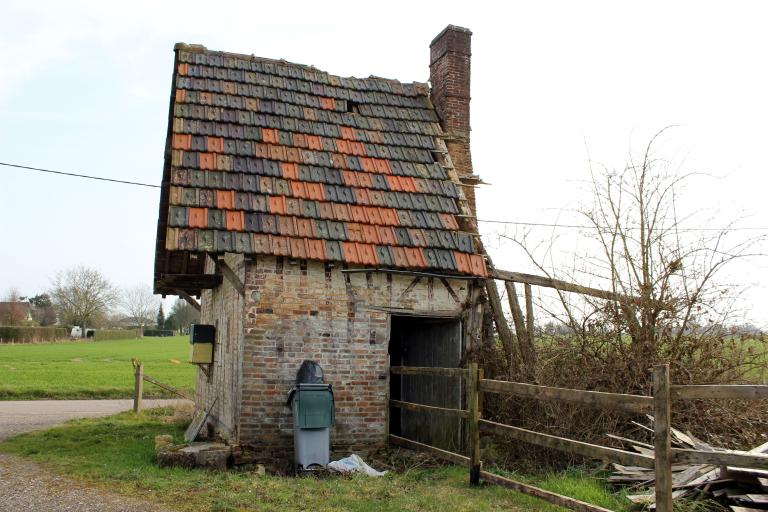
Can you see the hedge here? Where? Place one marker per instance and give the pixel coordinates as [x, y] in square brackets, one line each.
[158, 332]
[122, 334]
[17, 334]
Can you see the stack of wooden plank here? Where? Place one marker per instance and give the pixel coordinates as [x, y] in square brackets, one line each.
[741, 489]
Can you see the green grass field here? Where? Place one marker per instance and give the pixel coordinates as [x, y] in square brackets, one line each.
[118, 453]
[87, 369]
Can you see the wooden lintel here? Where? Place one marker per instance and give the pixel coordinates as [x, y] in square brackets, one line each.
[190, 299]
[518, 277]
[229, 275]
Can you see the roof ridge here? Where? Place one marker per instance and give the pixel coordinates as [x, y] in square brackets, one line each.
[199, 48]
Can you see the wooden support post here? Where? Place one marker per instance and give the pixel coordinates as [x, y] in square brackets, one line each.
[138, 385]
[190, 299]
[473, 390]
[662, 438]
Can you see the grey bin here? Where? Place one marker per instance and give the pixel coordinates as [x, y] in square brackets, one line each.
[314, 414]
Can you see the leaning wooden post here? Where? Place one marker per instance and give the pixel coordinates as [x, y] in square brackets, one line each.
[473, 390]
[138, 385]
[662, 442]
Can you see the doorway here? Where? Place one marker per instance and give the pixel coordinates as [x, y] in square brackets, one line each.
[435, 342]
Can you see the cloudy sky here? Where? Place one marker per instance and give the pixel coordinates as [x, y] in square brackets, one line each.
[85, 88]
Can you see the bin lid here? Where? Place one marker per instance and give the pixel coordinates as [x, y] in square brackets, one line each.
[309, 373]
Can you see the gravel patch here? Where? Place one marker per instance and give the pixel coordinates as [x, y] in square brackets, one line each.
[27, 486]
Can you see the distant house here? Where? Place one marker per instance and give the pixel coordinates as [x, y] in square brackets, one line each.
[325, 218]
[15, 313]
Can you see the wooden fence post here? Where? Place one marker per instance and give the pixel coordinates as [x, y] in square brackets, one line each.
[138, 385]
[473, 389]
[662, 438]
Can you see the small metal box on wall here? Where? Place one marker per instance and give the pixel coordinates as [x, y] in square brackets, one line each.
[201, 339]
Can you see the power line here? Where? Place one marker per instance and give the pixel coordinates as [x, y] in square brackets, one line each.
[582, 226]
[38, 169]
[487, 221]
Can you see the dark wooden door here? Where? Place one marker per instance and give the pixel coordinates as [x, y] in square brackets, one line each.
[431, 342]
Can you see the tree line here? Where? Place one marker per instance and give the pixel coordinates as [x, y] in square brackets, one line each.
[84, 297]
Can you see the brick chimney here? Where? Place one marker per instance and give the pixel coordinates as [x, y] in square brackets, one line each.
[449, 71]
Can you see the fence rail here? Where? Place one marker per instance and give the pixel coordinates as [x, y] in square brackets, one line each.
[138, 386]
[659, 404]
[629, 403]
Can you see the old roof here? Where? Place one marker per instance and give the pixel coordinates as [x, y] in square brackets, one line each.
[270, 157]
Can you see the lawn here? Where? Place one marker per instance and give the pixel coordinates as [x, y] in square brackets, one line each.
[88, 369]
[118, 453]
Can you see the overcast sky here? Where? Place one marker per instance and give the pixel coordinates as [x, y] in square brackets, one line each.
[85, 87]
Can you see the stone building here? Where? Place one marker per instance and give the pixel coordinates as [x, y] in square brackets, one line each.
[326, 218]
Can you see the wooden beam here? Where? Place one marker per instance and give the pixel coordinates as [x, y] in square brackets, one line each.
[409, 406]
[473, 430]
[724, 458]
[428, 370]
[629, 403]
[517, 277]
[138, 385]
[189, 282]
[455, 458]
[662, 438]
[166, 387]
[229, 275]
[502, 327]
[735, 392]
[588, 450]
[190, 299]
[551, 497]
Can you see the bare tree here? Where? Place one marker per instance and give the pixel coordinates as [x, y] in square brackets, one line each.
[640, 246]
[13, 311]
[140, 304]
[182, 314]
[81, 294]
[664, 266]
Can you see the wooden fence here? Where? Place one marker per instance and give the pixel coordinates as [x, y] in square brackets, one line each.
[664, 394]
[138, 386]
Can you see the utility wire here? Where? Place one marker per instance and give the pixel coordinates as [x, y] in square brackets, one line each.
[79, 175]
[487, 221]
[582, 226]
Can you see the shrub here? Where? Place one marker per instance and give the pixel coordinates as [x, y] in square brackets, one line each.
[18, 334]
[121, 334]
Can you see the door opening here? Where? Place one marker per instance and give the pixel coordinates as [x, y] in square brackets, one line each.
[426, 341]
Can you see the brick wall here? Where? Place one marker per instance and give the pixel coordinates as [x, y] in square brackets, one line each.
[449, 75]
[298, 310]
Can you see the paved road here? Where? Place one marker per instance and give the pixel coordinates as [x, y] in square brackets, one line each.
[28, 415]
[25, 485]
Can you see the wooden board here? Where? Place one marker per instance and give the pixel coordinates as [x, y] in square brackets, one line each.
[735, 392]
[630, 403]
[557, 499]
[568, 445]
[428, 408]
[750, 460]
[455, 458]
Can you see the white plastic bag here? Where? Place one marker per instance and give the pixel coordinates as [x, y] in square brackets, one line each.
[353, 464]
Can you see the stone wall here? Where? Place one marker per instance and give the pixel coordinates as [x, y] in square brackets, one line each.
[299, 310]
